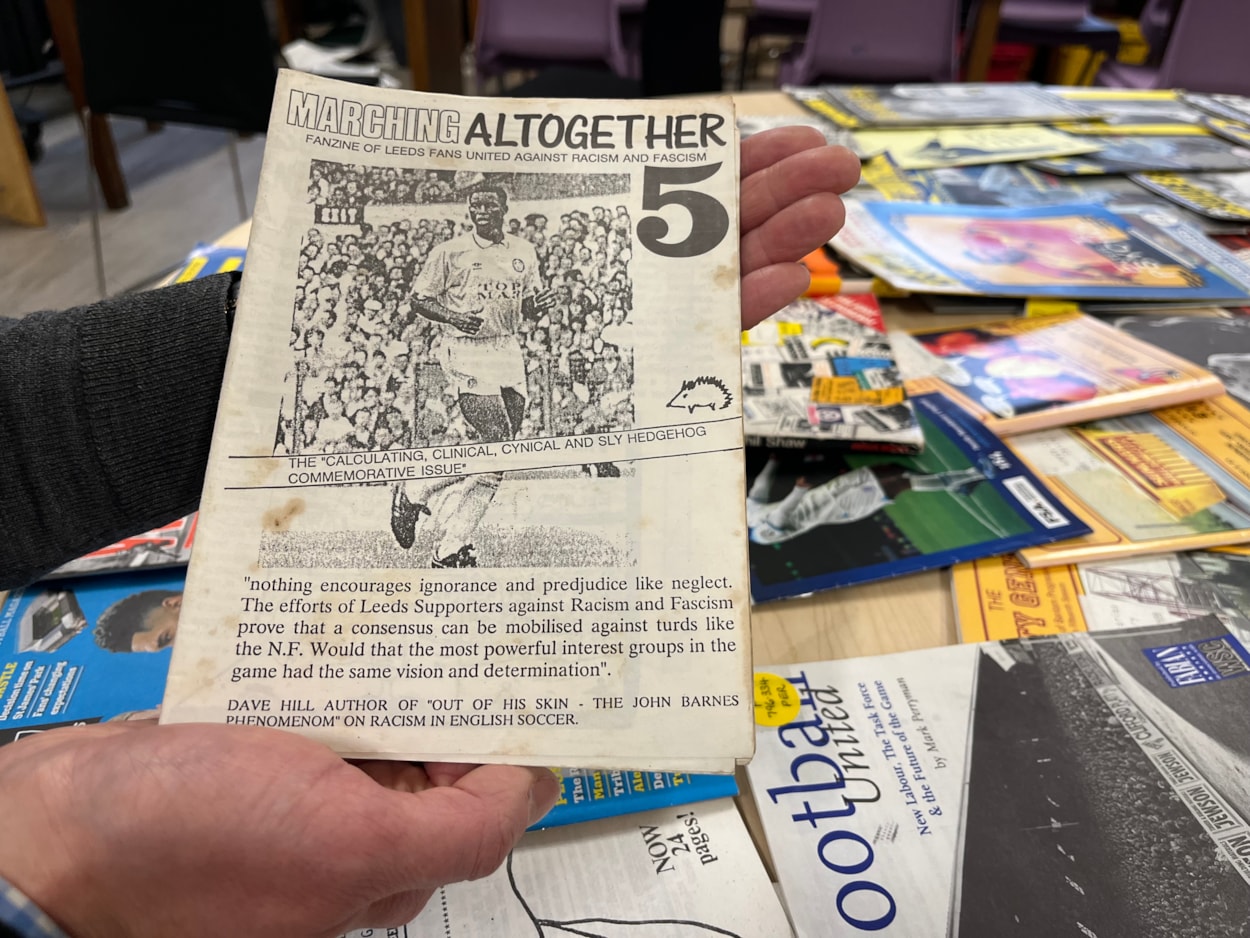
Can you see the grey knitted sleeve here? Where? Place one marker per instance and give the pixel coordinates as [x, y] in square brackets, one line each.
[106, 414]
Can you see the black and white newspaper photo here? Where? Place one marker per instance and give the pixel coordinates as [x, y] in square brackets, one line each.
[1089, 783]
[476, 470]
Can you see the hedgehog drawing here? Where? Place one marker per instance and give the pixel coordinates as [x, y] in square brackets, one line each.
[704, 391]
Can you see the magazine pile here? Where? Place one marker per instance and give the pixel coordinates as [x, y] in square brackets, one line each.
[1133, 216]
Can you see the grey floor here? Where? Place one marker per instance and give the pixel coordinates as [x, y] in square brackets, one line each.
[181, 191]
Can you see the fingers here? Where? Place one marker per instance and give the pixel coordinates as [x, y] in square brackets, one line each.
[391, 912]
[771, 189]
[793, 232]
[397, 776]
[464, 831]
[448, 773]
[775, 145]
[766, 290]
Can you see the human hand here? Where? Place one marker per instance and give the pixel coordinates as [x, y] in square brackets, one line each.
[204, 830]
[789, 207]
[466, 322]
[540, 301]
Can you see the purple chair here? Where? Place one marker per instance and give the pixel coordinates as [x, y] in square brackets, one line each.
[1206, 52]
[1155, 24]
[877, 41]
[1054, 23]
[773, 18]
[531, 34]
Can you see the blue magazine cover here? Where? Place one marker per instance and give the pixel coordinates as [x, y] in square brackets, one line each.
[1072, 251]
[823, 520]
[206, 260]
[85, 650]
[587, 795]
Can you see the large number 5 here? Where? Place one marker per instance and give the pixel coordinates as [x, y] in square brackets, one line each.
[709, 222]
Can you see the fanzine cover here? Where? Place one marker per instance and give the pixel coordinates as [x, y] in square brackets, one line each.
[1143, 153]
[819, 103]
[1157, 110]
[1172, 480]
[588, 796]
[969, 103]
[823, 520]
[1000, 598]
[1014, 184]
[821, 374]
[477, 465]
[86, 650]
[97, 648]
[1221, 345]
[962, 146]
[1073, 252]
[1234, 131]
[1224, 196]
[1092, 784]
[167, 546]
[751, 124]
[1019, 375]
[684, 872]
[1231, 107]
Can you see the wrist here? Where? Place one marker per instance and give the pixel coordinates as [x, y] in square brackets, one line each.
[39, 850]
[20, 917]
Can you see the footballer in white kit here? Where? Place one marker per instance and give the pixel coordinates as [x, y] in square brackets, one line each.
[478, 286]
[844, 499]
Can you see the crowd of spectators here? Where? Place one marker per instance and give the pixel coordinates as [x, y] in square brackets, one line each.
[366, 372]
[1167, 869]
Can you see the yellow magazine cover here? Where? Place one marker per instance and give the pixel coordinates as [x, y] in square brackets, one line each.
[1022, 375]
[965, 146]
[1000, 598]
[1177, 479]
[997, 598]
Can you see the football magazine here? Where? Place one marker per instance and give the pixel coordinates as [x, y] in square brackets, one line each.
[1172, 480]
[1221, 345]
[821, 374]
[1148, 152]
[923, 105]
[1225, 196]
[1073, 252]
[1087, 784]
[818, 521]
[1000, 598]
[462, 432]
[1020, 375]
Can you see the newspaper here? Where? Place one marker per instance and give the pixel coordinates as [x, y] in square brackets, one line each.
[1092, 784]
[682, 872]
[476, 485]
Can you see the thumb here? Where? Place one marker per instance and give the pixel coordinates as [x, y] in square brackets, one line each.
[465, 830]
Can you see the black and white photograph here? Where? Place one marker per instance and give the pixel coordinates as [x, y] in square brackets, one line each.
[972, 103]
[1217, 344]
[1220, 195]
[1074, 826]
[1150, 153]
[460, 310]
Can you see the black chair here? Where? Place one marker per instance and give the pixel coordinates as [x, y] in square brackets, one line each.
[162, 62]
